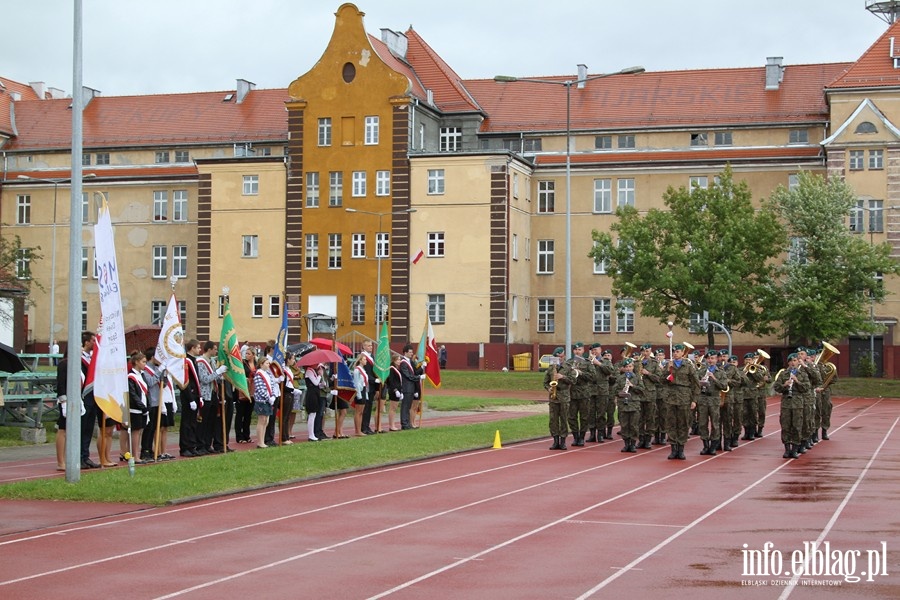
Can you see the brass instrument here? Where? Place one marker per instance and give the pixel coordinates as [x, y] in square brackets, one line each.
[631, 348]
[553, 383]
[830, 370]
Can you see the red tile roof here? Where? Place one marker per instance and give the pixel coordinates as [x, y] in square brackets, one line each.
[449, 92]
[875, 68]
[154, 120]
[711, 155]
[398, 65]
[666, 99]
[7, 88]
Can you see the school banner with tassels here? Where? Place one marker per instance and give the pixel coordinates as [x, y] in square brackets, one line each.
[111, 375]
[170, 347]
[383, 354]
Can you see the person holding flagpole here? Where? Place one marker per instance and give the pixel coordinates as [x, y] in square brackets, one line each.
[244, 409]
[208, 374]
[371, 392]
[411, 376]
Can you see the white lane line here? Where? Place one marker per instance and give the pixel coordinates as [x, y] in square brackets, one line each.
[837, 513]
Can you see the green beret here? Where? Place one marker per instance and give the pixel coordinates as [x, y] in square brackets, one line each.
[801, 349]
[792, 356]
[595, 345]
[723, 352]
[647, 347]
[712, 353]
[607, 353]
[750, 355]
[678, 347]
[733, 357]
[811, 351]
[559, 350]
[577, 345]
[628, 361]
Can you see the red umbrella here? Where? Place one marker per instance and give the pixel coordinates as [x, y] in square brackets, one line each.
[326, 344]
[319, 356]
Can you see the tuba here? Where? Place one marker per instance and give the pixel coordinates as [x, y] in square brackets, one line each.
[631, 348]
[830, 370]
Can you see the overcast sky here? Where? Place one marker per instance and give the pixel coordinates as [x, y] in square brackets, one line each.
[166, 46]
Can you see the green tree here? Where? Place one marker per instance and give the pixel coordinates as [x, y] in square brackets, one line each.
[831, 275]
[709, 250]
[15, 270]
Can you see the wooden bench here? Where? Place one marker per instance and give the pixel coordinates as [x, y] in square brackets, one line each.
[25, 397]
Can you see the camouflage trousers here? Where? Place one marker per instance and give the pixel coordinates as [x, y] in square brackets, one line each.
[678, 418]
[559, 419]
[647, 424]
[825, 408]
[749, 409]
[791, 423]
[709, 418]
[579, 410]
[629, 422]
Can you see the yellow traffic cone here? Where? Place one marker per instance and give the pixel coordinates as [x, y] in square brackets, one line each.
[497, 444]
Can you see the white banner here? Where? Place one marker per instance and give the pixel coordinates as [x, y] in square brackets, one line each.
[170, 347]
[111, 376]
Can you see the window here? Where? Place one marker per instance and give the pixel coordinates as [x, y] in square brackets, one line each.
[256, 307]
[603, 195]
[451, 139]
[626, 141]
[545, 256]
[546, 196]
[545, 315]
[312, 190]
[311, 260]
[325, 131]
[722, 138]
[382, 183]
[797, 251]
[382, 245]
[599, 266]
[856, 217]
[162, 157]
[515, 185]
[85, 255]
[624, 315]
[876, 216]
[160, 205]
[699, 139]
[245, 149]
[381, 307]
[335, 188]
[85, 207]
[603, 142]
[251, 185]
[359, 184]
[866, 127]
[179, 205]
[84, 316]
[793, 181]
[435, 244]
[96, 271]
[157, 311]
[602, 315]
[334, 250]
[876, 159]
[437, 308]
[23, 210]
[358, 246]
[181, 156]
[798, 136]
[23, 263]
[696, 323]
[275, 306]
[250, 246]
[179, 261]
[160, 260]
[701, 182]
[371, 135]
[86, 159]
[221, 306]
[103, 158]
[514, 247]
[856, 160]
[357, 309]
[435, 181]
[625, 192]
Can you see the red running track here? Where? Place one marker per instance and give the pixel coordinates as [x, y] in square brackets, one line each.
[521, 522]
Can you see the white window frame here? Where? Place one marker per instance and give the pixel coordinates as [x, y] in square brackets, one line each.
[546, 315]
[23, 263]
[312, 189]
[514, 247]
[603, 195]
[546, 257]
[274, 306]
[180, 262]
[450, 139]
[23, 209]
[624, 315]
[699, 181]
[85, 261]
[160, 206]
[180, 206]
[251, 185]
[357, 309]
[437, 308]
[311, 255]
[436, 244]
[546, 196]
[335, 188]
[335, 245]
[856, 161]
[160, 261]
[358, 185]
[382, 183]
[358, 245]
[876, 216]
[371, 131]
[256, 307]
[250, 246]
[324, 135]
[876, 160]
[602, 315]
[382, 244]
[626, 141]
[625, 191]
[435, 182]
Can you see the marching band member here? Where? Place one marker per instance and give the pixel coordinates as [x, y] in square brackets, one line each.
[628, 388]
[609, 414]
[651, 378]
[809, 399]
[792, 382]
[660, 426]
[580, 394]
[713, 380]
[558, 386]
[603, 368]
[681, 381]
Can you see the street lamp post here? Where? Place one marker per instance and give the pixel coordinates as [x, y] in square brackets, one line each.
[378, 254]
[568, 85]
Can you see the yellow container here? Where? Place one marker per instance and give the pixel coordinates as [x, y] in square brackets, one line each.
[522, 362]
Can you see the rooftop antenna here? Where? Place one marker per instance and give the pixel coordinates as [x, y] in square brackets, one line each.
[886, 10]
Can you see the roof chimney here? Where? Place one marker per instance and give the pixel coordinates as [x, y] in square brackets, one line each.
[582, 74]
[39, 88]
[56, 93]
[396, 42]
[88, 94]
[774, 72]
[243, 88]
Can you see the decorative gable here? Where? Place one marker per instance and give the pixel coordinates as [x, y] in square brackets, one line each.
[866, 126]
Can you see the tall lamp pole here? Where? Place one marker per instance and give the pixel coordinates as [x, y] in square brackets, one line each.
[568, 85]
[378, 256]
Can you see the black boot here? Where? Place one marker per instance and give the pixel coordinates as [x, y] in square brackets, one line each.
[695, 428]
[562, 443]
[656, 440]
[712, 448]
[662, 438]
[800, 448]
[815, 437]
[592, 436]
[555, 445]
[674, 453]
[734, 441]
[631, 447]
[748, 434]
[758, 432]
[705, 450]
[579, 438]
[609, 432]
[725, 443]
[625, 446]
[795, 449]
[824, 434]
[787, 451]
[680, 452]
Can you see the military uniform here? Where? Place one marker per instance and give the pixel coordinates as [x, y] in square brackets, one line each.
[824, 401]
[603, 368]
[762, 395]
[752, 377]
[661, 391]
[681, 382]
[579, 404]
[559, 403]
[712, 381]
[731, 409]
[628, 390]
[791, 407]
[651, 377]
[809, 404]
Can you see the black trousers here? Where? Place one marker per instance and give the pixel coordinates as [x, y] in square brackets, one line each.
[244, 412]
